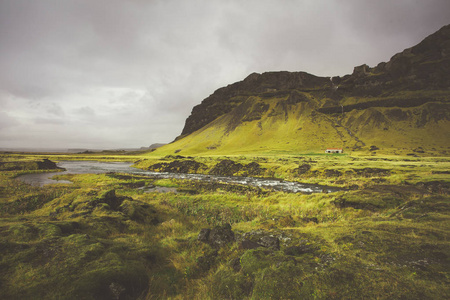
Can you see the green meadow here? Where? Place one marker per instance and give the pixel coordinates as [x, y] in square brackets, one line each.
[385, 235]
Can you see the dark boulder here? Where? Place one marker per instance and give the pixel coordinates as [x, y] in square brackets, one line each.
[218, 236]
[270, 242]
[221, 235]
[248, 244]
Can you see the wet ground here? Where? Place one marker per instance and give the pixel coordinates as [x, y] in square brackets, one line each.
[96, 167]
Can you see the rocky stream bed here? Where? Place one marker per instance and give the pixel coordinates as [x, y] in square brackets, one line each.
[96, 167]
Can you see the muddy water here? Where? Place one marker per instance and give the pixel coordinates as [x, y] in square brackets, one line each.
[96, 167]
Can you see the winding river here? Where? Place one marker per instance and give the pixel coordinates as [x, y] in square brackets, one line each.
[96, 167]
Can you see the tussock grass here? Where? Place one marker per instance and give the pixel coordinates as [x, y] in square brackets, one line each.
[104, 238]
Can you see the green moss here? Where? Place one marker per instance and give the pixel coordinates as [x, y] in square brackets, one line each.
[103, 238]
[48, 230]
[283, 281]
[256, 260]
[21, 232]
[227, 284]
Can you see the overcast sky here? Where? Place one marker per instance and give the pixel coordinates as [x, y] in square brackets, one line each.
[112, 74]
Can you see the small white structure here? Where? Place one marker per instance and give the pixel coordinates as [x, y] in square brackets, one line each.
[334, 150]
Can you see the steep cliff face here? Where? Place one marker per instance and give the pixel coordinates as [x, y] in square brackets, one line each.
[423, 67]
[403, 103]
[266, 85]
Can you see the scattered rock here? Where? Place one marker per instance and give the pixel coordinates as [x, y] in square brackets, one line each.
[248, 244]
[217, 237]
[226, 167]
[203, 236]
[270, 242]
[260, 238]
[178, 166]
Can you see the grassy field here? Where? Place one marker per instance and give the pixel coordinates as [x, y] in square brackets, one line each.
[111, 236]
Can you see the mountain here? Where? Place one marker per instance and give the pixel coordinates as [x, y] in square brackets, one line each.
[401, 105]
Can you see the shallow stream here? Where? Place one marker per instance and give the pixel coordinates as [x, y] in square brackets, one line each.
[96, 167]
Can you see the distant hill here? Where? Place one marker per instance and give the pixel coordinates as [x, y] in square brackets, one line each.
[399, 105]
[155, 146]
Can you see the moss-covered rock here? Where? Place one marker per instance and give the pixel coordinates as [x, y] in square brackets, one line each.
[48, 230]
[22, 232]
[138, 211]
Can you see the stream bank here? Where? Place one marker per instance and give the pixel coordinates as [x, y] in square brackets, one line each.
[96, 167]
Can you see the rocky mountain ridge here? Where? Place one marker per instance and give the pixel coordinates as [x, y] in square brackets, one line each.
[410, 91]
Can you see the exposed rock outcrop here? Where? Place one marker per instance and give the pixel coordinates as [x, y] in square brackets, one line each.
[218, 236]
[178, 166]
[223, 100]
[228, 167]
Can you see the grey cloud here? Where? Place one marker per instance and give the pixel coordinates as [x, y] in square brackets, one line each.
[85, 111]
[112, 73]
[55, 110]
[6, 121]
[48, 121]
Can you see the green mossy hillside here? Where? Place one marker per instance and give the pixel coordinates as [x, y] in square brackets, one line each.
[291, 127]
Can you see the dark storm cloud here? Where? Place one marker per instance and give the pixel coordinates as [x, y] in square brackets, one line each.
[112, 73]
